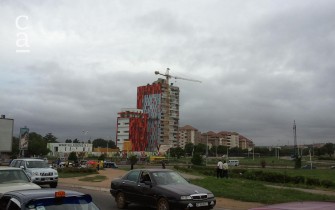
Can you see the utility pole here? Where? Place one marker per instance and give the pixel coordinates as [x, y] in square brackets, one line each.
[296, 150]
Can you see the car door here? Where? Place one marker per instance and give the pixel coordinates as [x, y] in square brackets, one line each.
[128, 185]
[145, 189]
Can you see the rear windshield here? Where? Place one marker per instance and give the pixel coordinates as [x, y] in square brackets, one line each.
[82, 203]
[12, 176]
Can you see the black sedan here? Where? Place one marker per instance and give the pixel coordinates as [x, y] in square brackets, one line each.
[163, 189]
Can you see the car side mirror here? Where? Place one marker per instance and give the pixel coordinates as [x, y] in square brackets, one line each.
[22, 167]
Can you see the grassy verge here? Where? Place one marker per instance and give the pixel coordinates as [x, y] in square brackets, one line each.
[96, 178]
[255, 191]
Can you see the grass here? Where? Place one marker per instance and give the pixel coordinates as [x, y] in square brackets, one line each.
[255, 191]
[72, 175]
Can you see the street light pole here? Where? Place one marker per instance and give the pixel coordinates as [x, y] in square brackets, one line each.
[206, 148]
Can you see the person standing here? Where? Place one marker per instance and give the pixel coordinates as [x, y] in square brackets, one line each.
[219, 169]
[225, 169]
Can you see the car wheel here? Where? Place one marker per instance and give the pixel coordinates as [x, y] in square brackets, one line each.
[163, 204]
[53, 185]
[121, 200]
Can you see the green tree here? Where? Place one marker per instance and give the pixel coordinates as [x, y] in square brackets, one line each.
[68, 141]
[37, 146]
[102, 157]
[73, 157]
[133, 160]
[222, 150]
[189, 148]
[197, 159]
[99, 143]
[49, 138]
[15, 148]
[200, 148]
[176, 152]
[329, 149]
[75, 141]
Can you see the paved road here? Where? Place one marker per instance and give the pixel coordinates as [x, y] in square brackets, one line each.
[105, 201]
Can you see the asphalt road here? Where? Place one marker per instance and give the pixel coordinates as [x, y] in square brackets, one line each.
[105, 201]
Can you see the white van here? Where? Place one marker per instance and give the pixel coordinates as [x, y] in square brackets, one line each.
[233, 162]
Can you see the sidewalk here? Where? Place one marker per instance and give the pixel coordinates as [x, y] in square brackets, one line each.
[116, 173]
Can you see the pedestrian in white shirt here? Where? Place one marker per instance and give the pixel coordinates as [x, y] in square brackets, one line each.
[219, 170]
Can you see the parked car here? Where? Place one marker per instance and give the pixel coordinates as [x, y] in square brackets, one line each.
[14, 179]
[161, 189]
[308, 166]
[233, 162]
[108, 164]
[38, 171]
[305, 205]
[45, 199]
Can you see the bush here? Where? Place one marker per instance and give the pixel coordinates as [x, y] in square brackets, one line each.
[327, 183]
[197, 159]
[298, 179]
[263, 163]
[76, 170]
[312, 181]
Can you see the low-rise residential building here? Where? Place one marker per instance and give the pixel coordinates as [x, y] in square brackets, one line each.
[62, 150]
[188, 134]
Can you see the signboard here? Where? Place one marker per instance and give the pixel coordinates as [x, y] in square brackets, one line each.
[6, 134]
[24, 138]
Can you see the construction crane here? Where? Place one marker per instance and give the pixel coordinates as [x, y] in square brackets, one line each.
[166, 120]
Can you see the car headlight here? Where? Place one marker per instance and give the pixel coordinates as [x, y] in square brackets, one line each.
[185, 197]
[35, 173]
[210, 195]
[56, 173]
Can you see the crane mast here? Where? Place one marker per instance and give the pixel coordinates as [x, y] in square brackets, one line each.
[167, 104]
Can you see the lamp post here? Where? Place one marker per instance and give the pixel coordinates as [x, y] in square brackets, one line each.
[206, 148]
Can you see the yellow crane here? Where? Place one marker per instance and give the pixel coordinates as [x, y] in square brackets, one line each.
[166, 106]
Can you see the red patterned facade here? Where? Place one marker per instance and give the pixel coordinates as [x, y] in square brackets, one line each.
[147, 90]
[138, 132]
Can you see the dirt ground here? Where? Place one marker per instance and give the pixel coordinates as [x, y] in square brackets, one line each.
[115, 173]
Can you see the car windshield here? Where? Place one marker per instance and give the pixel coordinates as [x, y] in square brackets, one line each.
[37, 164]
[83, 203]
[12, 176]
[168, 177]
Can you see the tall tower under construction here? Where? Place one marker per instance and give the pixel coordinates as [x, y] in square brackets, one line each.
[160, 101]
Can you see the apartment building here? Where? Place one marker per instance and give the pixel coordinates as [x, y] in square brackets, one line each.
[188, 134]
[131, 129]
[160, 101]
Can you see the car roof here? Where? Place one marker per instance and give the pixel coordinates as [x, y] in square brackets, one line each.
[152, 169]
[27, 159]
[41, 193]
[6, 168]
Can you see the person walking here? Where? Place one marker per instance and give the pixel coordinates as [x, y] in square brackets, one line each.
[225, 169]
[219, 169]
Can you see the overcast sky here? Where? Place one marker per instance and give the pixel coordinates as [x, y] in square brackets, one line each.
[263, 64]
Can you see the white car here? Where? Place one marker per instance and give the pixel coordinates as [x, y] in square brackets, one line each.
[14, 179]
[38, 171]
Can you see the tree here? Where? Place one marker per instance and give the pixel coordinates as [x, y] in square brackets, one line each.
[49, 138]
[15, 148]
[197, 159]
[189, 148]
[133, 160]
[329, 149]
[200, 148]
[37, 146]
[68, 141]
[75, 141]
[73, 157]
[177, 152]
[99, 143]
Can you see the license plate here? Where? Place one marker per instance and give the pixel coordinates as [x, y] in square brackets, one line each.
[201, 204]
